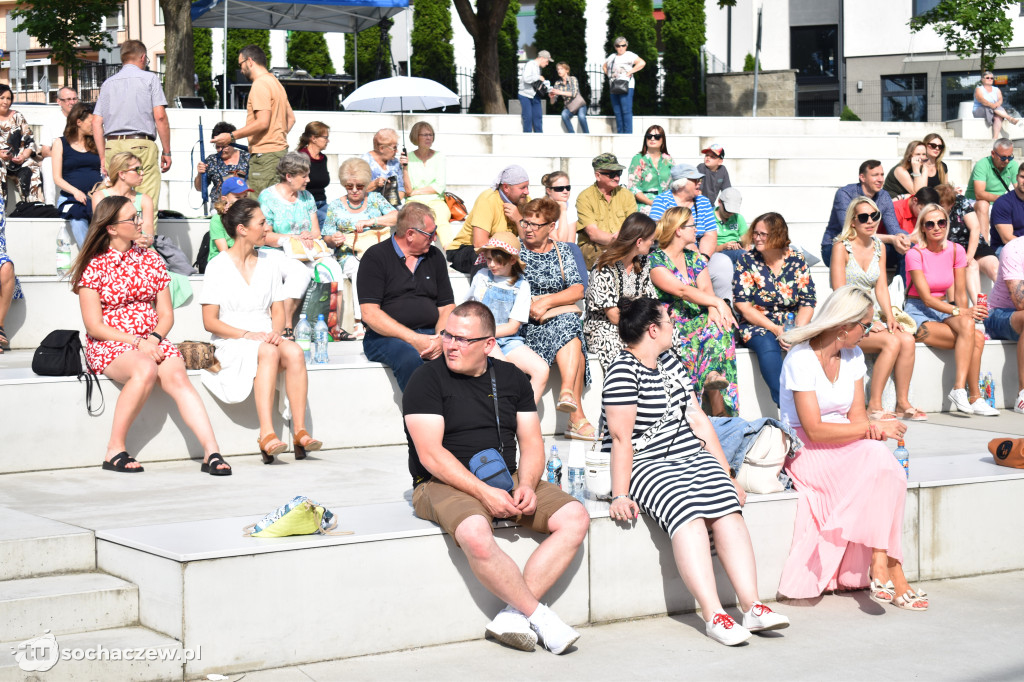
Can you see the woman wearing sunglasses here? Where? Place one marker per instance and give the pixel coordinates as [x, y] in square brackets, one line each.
[934, 264]
[934, 167]
[861, 263]
[650, 170]
[849, 515]
[988, 104]
[354, 223]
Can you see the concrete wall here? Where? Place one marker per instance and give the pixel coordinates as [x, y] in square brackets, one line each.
[774, 35]
[731, 94]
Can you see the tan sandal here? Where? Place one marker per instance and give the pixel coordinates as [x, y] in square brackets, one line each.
[566, 403]
[581, 430]
[268, 453]
[311, 445]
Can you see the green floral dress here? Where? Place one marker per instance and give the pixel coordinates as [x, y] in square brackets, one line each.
[647, 176]
[703, 347]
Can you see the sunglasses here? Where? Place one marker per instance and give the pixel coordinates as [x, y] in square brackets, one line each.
[135, 169]
[932, 224]
[610, 174]
[355, 187]
[937, 147]
[560, 188]
[1005, 158]
[428, 235]
[865, 218]
[653, 136]
[620, 45]
[866, 326]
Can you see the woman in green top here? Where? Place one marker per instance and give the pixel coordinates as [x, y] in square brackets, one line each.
[731, 225]
[232, 189]
[651, 170]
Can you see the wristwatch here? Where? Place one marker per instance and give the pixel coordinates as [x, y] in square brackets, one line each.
[232, 137]
[956, 311]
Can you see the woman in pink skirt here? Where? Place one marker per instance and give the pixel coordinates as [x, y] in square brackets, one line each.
[849, 519]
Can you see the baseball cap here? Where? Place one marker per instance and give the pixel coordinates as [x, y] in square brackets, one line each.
[503, 241]
[716, 149]
[545, 54]
[234, 185]
[731, 199]
[685, 170]
[607, 162]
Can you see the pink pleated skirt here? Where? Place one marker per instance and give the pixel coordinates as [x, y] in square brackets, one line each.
[851, 500]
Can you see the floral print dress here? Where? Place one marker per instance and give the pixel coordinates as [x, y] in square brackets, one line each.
[607, 285]
[647, 176]
[127, 284]
[702, 346]
[30, 175]
[4, 258]
[772, 295]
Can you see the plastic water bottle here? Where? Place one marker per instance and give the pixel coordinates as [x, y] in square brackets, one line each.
[990, 389]
[554, 467]
[303, 335]
[321, 336]
[903, 457]
[63, 252]
[578, 483]
[790, 323]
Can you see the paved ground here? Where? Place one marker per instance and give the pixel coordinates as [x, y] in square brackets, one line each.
[971, 632]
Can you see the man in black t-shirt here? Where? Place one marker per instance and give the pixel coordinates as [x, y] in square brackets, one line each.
[449, 409]
[404, 294]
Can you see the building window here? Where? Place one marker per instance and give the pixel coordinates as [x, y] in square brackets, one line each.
[812, 52]
[922, 6]
[905, 97]
[526, 21]
[158, 13]
[959, 87]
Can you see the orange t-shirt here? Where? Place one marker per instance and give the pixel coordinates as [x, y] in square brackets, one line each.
[267, 94]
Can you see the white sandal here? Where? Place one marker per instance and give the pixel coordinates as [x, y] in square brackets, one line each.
[909, 600]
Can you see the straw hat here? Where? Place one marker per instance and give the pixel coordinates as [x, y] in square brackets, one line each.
[504, 241]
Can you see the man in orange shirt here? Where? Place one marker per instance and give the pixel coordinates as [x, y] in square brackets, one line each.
[268, 119]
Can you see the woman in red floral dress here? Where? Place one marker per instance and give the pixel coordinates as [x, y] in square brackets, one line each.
[126, 307]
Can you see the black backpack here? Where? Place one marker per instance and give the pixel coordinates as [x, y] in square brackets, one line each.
[60, 355]
[34, 209]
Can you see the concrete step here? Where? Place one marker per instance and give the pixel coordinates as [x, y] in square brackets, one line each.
[76, 602]
[127, 653]
[31, 546]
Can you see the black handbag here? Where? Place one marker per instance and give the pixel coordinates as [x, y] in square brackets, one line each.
[540, 88]
[620, 86]
[60, 355]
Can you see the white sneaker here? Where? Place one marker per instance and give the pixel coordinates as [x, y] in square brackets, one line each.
[511, 627]
[1018, 406]
[722, 628]
[958, 396]
[554, 634]
[760, 618]
[983, 408]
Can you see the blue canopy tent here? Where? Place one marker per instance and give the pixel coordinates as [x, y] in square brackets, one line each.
[340, 16]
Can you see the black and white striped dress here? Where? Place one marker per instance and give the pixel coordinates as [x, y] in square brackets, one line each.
[673, 480]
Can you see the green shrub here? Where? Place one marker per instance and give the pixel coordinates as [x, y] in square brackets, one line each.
[634, 20]
[433, 55]
[848, 115]
[682, 36]
[307, 50]
[562, 31]
[369, 41]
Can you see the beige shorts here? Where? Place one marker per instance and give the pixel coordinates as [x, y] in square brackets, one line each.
[449, 507]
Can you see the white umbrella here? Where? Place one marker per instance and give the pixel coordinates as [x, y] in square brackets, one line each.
[399, 93]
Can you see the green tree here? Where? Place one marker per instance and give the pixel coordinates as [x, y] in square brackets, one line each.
[240, 37]
[307, 50]
[64, 25]
[369, 44]
[433, 55]
[507, 45]
[682, 36]
[202, 49]
[634, 20]
[487, 25]
[179, 67]
[562, 30]
[969, 28]
[749, 62]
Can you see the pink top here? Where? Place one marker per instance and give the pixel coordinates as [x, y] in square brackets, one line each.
[937, 267]
[1011, 268]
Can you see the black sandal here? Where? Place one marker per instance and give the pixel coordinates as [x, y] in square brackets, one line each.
[288, 333]
[5, 343]
[120, 463]
[210, 466]
[343, 335]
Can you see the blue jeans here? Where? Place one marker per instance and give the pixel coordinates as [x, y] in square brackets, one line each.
[622, 105]
[79, 228]
[400, 356]
[321, 213]
[533, 114]
[581, 115]
[769, 359]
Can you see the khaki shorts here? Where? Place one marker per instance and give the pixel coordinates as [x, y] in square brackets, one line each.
[448, 507]
[263, 170]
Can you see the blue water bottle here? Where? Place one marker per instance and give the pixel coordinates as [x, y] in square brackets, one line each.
[554, 468]
[903, 457]
[790, 323]
[320, 338]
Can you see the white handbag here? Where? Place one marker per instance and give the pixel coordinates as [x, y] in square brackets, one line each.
[759, 472]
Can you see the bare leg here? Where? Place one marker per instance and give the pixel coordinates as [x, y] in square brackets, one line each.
[548, 562]
[138, 374]
[977, 339]
[268, 362]
[732, 541]
[290, 306]
[997, 126]
[981, 208]
[973, 281]
[6, 290]
[888, 347]
[174, 380]
[296, 381]
[572, 366]
[492, 567]
[534, 366]
[904, 370]
[692, 552]
[989, 266]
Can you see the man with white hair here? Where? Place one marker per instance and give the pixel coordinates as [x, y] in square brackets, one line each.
[66, 98]
[495, 210]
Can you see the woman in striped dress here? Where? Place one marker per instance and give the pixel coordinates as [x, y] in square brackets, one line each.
[849, 516]
[658, 465]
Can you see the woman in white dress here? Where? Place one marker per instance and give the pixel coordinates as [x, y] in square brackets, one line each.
[243, 307]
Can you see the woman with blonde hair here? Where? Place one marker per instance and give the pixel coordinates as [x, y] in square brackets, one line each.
[988, 104]
[702, 322]
[908, 175]
[124, 174]
[862, 263]
[425, 178]
[934, 264]
[849, 519]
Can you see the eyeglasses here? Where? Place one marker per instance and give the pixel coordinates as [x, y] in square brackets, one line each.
[67, 99]
[865, 218]
[137, 219]
[759, 235]
[460, 341]
[866, 326]
[611, 174]
[325, 138]
[428, 235]
[1006, 158]
[936, 147]
[932, 224]
[654, 136]
[527, 225]
[135, 169]
[352, 188]
[689, 225]
[560, 188]
[388, 146]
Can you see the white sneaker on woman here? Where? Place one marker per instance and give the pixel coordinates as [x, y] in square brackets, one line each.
[722, 628]
[760, 618]
[958, 396]
[983, 408]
